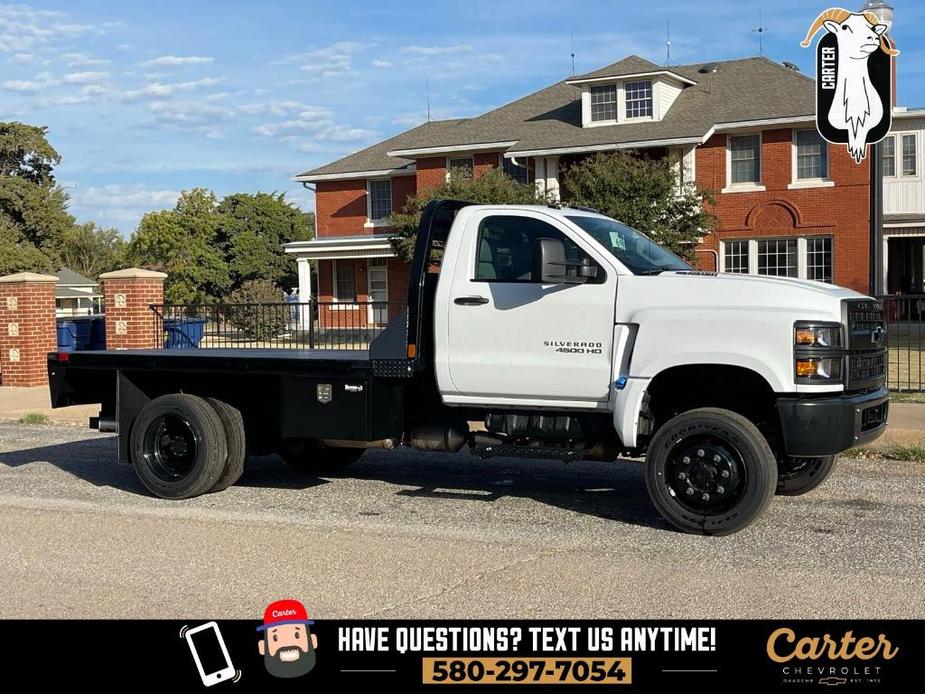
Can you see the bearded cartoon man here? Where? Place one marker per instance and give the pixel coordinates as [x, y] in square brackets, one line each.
[288, 646]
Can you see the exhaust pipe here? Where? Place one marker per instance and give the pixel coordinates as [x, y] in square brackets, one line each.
[345, 443]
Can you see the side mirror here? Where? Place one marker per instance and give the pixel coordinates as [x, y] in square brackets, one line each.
[548, 261]
[551, 267]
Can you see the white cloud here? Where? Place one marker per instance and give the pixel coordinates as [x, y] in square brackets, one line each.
[273, 108]
[83, 60]
[84, 77]
[23, 27]
[331, 61]
[120, 195]
[125, 47]
[157, 90]
[382, 63]
[24, 86]
[23, 58]
[175, 60]
[92, 92]
[436, 50]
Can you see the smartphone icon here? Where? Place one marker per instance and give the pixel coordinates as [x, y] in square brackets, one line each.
[209, 651]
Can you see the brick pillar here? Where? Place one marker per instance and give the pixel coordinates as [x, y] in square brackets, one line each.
[127, 297]
[27, 328]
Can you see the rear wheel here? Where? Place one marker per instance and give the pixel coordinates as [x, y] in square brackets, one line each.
[233, 424]
[710, 471]
[313, 457]
[178, 446]
[797, 476]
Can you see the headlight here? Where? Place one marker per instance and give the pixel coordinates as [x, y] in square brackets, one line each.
[827, 369]
[817, 352]
[807, 335]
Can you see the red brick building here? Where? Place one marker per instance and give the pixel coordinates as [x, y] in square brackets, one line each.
[787, 202]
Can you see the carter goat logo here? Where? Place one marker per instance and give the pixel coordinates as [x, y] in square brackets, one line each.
[854, 79]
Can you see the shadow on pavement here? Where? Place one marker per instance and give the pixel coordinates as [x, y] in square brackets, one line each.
[612, 491]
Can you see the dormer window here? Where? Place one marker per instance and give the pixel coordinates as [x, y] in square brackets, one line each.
[639, 99]
[604, 103]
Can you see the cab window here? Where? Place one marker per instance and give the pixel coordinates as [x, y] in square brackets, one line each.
[505, 248]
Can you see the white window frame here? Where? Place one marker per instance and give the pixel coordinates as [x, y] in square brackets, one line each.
[898, 175]
[802, 253]
[618, 87]
[620, 84]
[797, 183]
[334, 298]
[747, 187]
[470, 157]
[635, 119]
[370, 222]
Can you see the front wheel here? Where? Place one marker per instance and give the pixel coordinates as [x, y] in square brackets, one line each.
[710, 472]
[797, 476]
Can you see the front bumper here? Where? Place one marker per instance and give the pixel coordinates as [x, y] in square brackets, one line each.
[829, 425]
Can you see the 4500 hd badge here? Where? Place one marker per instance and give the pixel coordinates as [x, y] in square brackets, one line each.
[570, 347]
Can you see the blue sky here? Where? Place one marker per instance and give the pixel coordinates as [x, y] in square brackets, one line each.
[146, 99]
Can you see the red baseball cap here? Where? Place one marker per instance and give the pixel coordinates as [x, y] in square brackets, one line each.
[284, 612]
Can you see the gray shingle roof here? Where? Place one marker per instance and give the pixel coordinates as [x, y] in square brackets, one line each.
[67, 277]
[750, 89]
[375, 158]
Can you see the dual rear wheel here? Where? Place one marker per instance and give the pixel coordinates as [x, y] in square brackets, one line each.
[182, 446]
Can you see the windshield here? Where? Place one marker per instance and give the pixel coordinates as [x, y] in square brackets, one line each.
[632, 248]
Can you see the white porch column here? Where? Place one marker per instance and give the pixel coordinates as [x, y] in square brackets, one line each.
[305, 292]
[546, 176]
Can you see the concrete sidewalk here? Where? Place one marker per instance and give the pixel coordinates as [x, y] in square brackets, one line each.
[18, 402]
[907, 420]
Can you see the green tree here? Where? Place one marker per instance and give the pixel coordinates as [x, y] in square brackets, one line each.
[643, 194]
[26, 153]
[494, 186]
[182, 243]
[33, 210]
[252, 229]
[90, 250]
[17, 254]
[250, 314]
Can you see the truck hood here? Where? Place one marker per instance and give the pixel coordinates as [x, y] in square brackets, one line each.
[706, 291]
[767, 283]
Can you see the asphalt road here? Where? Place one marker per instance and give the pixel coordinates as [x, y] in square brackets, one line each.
[415, 535]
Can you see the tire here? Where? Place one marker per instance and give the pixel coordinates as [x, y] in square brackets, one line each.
[233, 424]
[177, 446]
[796, 476]
[311, 457]
[723, 460]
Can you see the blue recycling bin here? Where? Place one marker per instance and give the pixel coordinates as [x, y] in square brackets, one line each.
[67, 336]
[183, 333]
[83, 333]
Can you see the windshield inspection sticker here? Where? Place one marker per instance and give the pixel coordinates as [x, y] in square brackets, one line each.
[854, 79]
[616, 240]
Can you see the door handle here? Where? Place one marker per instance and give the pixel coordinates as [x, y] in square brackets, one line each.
[470, 300]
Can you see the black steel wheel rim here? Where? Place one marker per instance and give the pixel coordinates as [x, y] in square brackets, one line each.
[705, 474]
[170, 447]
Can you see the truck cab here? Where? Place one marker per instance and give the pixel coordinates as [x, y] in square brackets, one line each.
[564, 334]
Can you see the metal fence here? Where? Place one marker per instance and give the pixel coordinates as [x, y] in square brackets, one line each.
[905, 336]
[310, 325]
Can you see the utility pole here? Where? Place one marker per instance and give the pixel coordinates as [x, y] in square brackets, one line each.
[884, 13]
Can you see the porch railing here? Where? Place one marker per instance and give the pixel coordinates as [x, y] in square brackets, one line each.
[905, 337]
[309, 325]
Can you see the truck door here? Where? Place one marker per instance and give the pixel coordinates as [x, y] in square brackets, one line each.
[510, 339]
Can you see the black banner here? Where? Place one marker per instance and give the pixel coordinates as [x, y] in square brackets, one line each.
[632, 656]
